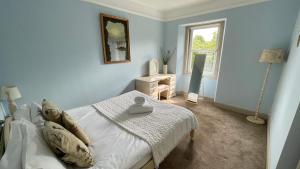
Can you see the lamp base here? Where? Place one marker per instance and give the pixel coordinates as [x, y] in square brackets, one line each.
[255, 120]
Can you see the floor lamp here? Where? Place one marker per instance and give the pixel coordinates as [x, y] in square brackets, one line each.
[268, 56]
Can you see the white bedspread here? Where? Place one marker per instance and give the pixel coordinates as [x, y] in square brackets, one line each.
[162, 129]
[112, 146]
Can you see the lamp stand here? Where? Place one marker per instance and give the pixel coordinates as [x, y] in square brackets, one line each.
[12, 105]
[255, 119]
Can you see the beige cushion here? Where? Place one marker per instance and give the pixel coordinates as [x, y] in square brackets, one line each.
[73, 127]
[51, 112]
[67, 146]
[163, 87]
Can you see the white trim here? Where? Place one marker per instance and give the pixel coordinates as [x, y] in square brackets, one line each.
[200, 11]
[221, 54]
[205, 22]
[140, 10]
[175, 14]
[268, 147]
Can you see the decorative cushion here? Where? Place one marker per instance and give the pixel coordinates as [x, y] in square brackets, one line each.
[163, 87]
[67, 146]
[51, 112]
[73, 127]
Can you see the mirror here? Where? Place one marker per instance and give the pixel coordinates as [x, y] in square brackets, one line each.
[115, 39]
[196, 77]
[153, 67]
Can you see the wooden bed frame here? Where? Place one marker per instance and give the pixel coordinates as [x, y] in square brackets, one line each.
[150, 164]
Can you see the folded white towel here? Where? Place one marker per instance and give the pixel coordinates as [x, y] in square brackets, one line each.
[140, 106]
[135, 109]
[139, 100]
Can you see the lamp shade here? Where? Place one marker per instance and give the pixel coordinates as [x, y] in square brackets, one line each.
[272, 56]
[10, 91]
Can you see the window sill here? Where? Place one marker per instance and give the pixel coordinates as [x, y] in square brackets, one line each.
[212, 77]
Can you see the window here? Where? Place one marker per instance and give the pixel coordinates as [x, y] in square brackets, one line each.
[204, 39]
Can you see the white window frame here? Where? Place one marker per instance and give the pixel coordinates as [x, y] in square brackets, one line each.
[188, 46]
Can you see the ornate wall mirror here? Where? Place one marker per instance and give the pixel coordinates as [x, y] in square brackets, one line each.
[115, 39]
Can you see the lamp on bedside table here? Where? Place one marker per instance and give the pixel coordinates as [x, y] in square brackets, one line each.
[268, 56]
[11, 93]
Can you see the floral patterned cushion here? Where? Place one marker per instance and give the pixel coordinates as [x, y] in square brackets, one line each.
[73, 127]
[51, 112]
[67, 146]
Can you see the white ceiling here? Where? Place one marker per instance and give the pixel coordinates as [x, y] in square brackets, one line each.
[167, 10]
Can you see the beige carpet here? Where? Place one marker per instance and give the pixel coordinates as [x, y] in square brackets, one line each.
[225, 140]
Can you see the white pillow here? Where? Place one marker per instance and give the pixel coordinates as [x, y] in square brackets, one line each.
[36, 116]
[22, 112]
[12, 158]
[32, 113]
[37, 154]
[27, 149]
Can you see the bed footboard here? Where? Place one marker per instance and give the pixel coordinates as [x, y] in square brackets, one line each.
[192, 134]
[149, 165]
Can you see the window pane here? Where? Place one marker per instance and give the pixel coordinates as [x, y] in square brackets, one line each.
[205, 39]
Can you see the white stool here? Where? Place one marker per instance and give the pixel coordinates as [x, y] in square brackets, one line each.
[164, 88]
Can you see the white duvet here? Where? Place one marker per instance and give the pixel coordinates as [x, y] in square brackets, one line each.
[162, 129]
[113, 147]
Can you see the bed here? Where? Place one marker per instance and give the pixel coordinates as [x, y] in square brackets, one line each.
[116, 147]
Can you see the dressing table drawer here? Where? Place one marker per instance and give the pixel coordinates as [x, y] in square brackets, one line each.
[153, 85]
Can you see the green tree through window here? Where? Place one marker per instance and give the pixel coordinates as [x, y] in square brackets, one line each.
[199, 43]
[201, 46]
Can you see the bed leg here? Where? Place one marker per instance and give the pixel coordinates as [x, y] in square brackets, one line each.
[192, 134]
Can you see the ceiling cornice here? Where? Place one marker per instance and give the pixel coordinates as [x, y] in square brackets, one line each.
[133, 8]
[180, 13]
[203, 9]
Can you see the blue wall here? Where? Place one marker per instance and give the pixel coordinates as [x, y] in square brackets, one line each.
[249, 30]
[284, 112]
[52, 49]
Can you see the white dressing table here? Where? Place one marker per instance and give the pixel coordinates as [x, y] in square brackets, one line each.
[149, 85]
